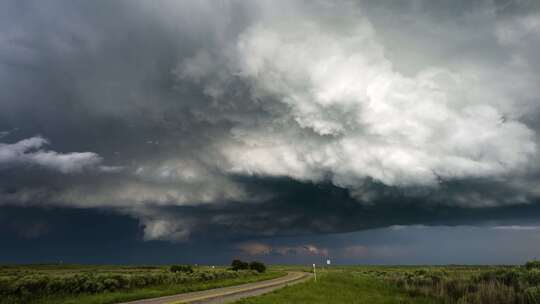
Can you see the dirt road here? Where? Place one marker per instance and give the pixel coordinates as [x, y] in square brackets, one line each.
[229, 294]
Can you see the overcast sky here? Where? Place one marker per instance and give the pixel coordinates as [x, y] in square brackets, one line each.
[402, 132]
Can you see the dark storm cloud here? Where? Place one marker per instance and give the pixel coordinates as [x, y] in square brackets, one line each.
[300, 209]
[242, 119]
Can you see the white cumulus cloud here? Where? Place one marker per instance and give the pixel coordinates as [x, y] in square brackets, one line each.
[352, 116]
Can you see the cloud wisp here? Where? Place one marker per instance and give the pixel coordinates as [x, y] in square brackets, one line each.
[29, 152]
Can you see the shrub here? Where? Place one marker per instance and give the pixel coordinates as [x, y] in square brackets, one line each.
[111, 284]
[23, 287]
[258, 266]
[239, 265]
[181, 268]
[532, 295]
[533, 276]
[494, 285]
[534, 264]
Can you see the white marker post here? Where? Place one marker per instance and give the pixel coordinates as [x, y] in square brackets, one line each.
[328, 262]
[315, 272]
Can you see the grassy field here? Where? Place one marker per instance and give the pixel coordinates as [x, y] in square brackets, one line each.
[466, 284]
[63, 284]
[48, 284]
[415, 284]
[339, 286]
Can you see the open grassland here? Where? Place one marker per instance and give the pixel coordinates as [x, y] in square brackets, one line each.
[339, 286]
[47, 284]
[415, 284]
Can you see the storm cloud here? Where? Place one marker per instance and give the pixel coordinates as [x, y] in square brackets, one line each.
[241, 119]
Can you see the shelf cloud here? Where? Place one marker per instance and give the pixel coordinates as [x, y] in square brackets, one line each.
[241, 119]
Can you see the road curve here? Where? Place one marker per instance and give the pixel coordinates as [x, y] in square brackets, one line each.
[231, 293]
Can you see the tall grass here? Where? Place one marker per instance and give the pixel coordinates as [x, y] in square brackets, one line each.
[503, 285]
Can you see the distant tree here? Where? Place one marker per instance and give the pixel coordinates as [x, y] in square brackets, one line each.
[239, 265]
[181, 268]
[258, 266]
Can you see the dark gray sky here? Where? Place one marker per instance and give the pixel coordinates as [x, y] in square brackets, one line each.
[287, 131]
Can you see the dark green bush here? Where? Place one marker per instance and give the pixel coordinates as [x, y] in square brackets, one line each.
[533, 276]
[534, 264]
[181, 268]
[111, 284]
[239, 265]
[257, 266]
[532, 295]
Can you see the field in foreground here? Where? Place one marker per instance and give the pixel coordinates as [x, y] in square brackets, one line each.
[339, 286]
[418, 284]
[47, 284]
[67, 284]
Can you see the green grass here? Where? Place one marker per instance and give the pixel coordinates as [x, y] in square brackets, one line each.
[339, 287]
[450, 284]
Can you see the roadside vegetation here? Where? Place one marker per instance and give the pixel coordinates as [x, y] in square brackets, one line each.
[47, 284]
[474, 285]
